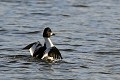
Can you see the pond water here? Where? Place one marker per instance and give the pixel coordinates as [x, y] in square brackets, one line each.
[87, 35]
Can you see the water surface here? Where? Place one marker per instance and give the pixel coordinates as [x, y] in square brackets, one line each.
[87, 35]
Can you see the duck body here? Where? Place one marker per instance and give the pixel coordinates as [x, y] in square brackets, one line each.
[48, 52]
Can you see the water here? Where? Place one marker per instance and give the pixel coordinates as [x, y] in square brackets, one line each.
[87, 35]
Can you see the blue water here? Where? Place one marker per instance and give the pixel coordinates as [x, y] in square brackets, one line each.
[87, 35]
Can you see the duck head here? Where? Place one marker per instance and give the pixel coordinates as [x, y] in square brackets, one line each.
[47, 32]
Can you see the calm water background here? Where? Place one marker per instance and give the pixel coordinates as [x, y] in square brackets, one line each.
[87, 34]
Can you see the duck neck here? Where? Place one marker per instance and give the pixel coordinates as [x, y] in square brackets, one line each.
[48, 42]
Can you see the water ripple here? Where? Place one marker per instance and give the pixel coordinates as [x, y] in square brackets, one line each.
[87, 35]
[43, 14]
[107, 53]
[84, 6]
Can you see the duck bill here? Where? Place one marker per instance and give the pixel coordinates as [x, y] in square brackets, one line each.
[52, 34]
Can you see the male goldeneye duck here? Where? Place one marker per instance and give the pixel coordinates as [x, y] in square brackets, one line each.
[48, 52]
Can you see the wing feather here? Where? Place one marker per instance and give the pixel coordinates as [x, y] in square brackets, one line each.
[54, 52]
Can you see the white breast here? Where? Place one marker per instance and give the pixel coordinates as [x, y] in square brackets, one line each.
[46, 53]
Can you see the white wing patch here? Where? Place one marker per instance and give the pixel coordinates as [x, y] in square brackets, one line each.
[33, 48]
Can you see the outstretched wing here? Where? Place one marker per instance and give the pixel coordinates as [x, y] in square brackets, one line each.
[30, 45]
[33, 47]
[54, 52]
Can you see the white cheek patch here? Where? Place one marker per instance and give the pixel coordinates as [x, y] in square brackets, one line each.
[51, 34]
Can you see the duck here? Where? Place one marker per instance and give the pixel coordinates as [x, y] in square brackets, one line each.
[48, 52]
